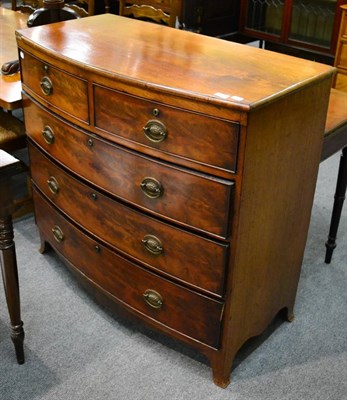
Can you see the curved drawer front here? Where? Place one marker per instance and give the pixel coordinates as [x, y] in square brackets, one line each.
[152, 242]
[190, 198]
[61, 90]
[181, 133]
[150, 296]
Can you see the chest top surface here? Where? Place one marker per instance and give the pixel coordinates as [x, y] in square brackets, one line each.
[172, 60]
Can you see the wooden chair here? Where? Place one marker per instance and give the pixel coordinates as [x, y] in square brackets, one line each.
[57, 10]
[27, 6]
[167, 12]
[335, 139]
[84, 8]
[13, 138]
[12, 133]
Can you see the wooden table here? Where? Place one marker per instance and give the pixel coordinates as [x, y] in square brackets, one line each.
[9, 166]
[10, 86]
[10, 99]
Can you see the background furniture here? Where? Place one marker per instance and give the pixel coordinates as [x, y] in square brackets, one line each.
[12, 134]
[340, 79]
[54, 11]
[86, 7]
[307, 28]
[167, 12]
[214, 18]
[27, 6]
[13, 140]
[10, 86]
[197, 220]
[9, 167]
[335, 139]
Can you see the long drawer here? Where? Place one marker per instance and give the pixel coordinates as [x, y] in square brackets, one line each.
[154, 298]
[175, 131]
[58, 89]
[193, 259]
[189, 198]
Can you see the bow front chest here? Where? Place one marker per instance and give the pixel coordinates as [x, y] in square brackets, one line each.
[174, 172]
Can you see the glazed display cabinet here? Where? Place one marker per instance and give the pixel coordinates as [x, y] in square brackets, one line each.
[307, 25]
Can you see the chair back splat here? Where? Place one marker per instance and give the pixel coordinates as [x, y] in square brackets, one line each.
[167, 12]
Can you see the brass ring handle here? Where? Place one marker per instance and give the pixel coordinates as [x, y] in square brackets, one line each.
[58, 234]
[152, 244]
[153, 298]
[46, 86]
[48, 134]
[152, 188]
[53, 185]
[155, 131]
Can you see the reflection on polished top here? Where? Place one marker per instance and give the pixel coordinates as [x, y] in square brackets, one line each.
[173, 60]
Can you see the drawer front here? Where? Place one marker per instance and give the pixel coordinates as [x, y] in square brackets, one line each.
[65, 92]
[189, 198]
[150, 296]
[181, 133]
[152, 242]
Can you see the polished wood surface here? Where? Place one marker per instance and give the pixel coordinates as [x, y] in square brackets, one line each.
[218, 72]
[10, 86]
[194, 315]
[124, 228]
[111, 168]
[251, 200]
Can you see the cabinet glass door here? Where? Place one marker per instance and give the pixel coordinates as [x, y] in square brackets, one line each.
[265, 16]
[312, 21]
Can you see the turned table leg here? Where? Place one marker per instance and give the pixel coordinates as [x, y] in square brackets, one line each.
[8, 167]
[340, 194]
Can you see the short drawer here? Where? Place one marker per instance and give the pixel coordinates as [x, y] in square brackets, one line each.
[62, 91]
[190, 258]
[153, 298]
[192, 199]
[192, 136]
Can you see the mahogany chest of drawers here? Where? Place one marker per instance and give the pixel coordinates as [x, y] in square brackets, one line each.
[174, 172]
